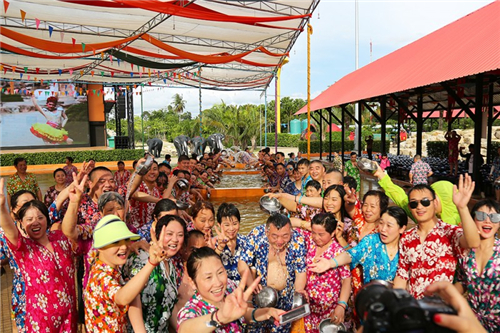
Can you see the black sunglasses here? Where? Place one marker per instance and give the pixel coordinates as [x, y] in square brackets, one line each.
[481, 216]
[414, 204]
[289, 169]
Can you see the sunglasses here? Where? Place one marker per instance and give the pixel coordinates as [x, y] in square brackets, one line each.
[481, 216]
[290, 169]
[414, 204]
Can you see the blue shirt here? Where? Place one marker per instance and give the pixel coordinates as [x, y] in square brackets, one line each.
[372, 255]
[230, 261]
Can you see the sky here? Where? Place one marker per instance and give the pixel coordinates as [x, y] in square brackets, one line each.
[388, 25]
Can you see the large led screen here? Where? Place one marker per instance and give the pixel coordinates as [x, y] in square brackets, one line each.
[41, 116]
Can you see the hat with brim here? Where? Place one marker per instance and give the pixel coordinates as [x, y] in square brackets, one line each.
[111, 229]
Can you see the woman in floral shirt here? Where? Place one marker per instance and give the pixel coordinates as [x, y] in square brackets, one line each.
[160, 294]
[53, 191]
[122, 176]
[218, 305]
[328, 292]
[479, 269]
[46, 264]
[18, 287]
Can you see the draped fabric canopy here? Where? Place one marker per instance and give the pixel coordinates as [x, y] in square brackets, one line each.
[228, 45]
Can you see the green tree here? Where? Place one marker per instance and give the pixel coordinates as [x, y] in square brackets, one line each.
[178, 104]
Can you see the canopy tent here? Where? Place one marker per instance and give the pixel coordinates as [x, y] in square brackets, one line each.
[333, 128]
[216, 44]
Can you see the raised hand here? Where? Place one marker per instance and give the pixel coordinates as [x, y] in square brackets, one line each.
[222, 239]
[462, 194]
[321, 265]
[236, 304]
[3, 199]
[76, 188]
[156, 251]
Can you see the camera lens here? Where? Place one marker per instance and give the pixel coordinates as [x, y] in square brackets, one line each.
[369, 295]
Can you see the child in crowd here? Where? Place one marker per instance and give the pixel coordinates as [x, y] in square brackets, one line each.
[107, 299]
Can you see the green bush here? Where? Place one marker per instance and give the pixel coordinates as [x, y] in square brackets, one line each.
[284, 140]
[11, 98]
[437, 149]
[59, 157]
[336, 146]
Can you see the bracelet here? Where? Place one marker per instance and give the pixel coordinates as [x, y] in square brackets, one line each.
[152, 263]
[217, 318]
[347, 246]
[300, 199]
[253, 315]
[336, 263]
[342, 303]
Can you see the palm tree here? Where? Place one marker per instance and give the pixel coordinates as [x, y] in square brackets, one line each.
[178, 104]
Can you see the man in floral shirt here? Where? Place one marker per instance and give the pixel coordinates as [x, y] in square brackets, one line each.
[429, 252]
[277, 253]
[420, 171]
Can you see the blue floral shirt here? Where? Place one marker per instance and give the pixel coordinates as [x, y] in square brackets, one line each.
[18, 286]
[372, 255]
[145, 231]
[230, 261]
[256, 256]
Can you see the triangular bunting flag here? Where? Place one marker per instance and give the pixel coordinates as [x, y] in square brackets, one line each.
[21, 74]
[26, 69]
[112, 74]
[164, 80]
[83, 47]
[23, 15]
[92, 73]
[118, 60]
[102, 55]
[5, 5]
[37, 22]
[50, 31]
[37, 70]
[111, 59]
[131, 74]
[70, 72]
[73, 41]
[14, 68]
[60, 71]
[29, 77]
[102, 73]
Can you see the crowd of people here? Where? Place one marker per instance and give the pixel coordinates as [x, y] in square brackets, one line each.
[149, 252]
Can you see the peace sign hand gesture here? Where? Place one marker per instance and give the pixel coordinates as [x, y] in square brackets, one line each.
[76, 188]
[156, 252]
[236, 304]
[222, 239]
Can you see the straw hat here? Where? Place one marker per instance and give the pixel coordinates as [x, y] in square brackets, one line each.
[111, 229]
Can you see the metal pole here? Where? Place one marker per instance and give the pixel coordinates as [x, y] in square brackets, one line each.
[199, 89]
[357, 112]
[142, 119]
[260, 127]
[276, 117]
[309, 33]
[265, 118]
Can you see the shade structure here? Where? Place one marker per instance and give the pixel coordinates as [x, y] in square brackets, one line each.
[463, 48]
[220, 44]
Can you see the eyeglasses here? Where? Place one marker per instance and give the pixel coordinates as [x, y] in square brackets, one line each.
[424, 202]
[481, 216]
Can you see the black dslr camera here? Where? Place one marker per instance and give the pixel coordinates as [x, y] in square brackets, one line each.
[383, 309]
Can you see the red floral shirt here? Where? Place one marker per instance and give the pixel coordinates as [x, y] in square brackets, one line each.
[433, 260]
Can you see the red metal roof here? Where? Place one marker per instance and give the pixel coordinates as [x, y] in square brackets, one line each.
[468, 46]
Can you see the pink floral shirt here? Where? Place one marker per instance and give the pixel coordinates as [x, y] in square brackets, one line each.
[433, 260]
[122, 178]
[50, 283]
[142, 212]
[102, 314]
[323, 289]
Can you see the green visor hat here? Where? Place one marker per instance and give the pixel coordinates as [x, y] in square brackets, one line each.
[111, 229]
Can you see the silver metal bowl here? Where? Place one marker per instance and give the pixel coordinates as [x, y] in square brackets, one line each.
[298, 300]
[367, 165]
[182, 183]
[269, 205]
[326, 326]
[143, 168]
[182, 205]
[267, 298]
